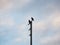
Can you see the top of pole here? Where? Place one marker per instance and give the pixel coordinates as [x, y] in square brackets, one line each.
[30, 21]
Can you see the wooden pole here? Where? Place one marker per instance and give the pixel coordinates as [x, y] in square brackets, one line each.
[31, 33]
[30, 23]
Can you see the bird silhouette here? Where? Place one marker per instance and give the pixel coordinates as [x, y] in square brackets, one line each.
[29, 22]
[32, 18]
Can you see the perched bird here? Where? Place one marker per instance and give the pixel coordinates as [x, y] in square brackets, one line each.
[29, 22]
[32, 18]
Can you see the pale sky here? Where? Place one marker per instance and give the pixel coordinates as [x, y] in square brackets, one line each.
[14, 16]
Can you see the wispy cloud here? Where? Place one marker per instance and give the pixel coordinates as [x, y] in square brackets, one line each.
[6, 20]
[46, 31]
[56, 20]
[53, 40]
[19, 4]
[17, 40]
[5, 5]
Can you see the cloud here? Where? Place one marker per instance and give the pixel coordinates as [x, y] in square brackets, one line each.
[56, 20]
[40, 25]
[6, 20]
[22, 29]
[51, 40]
[17, 39]
[10, 4]
[21, 3]
[5, 5]
[52, 22]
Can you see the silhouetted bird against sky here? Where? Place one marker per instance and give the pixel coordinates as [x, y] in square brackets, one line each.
[29, 22]
[32, 18]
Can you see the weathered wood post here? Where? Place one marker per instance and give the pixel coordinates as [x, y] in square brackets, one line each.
[30, 23]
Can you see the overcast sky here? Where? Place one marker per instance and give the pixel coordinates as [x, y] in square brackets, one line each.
[14, 16]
